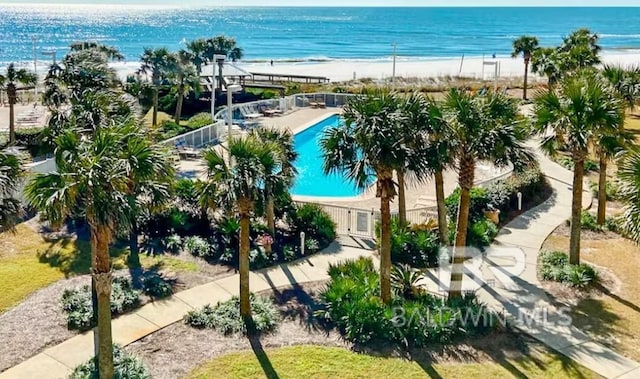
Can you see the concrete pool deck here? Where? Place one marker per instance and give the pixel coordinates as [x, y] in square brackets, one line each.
[418, 195]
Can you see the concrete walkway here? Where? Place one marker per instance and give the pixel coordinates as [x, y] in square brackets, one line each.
[523, 300]
[58, 361]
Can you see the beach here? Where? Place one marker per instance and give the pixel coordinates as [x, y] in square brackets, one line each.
[345, 70]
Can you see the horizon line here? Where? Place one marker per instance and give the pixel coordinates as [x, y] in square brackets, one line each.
[178, 5]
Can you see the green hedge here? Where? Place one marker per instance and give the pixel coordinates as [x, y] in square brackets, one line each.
[555, 266]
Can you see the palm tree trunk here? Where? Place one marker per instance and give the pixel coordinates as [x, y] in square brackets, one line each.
[442, 209]
[602, 190]
[179, 104]
[154, 120]
[245, 306]
[270, 214]
[526, 77]
[100, 236]
[402, 200]
[576, 210]
[385, 249]
[11, 94]
[465, 180]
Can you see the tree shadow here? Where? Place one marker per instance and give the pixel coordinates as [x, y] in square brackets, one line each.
[617, 298]
[258, 350]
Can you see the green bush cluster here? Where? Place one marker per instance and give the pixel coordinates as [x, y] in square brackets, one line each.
[197, 246]
[225, 316]
[199, 120]
[418, 247]
[413, 319]
[555, 266]
[156, 286]
[611, 190]
[589, 222]
[314, 222]
[125, 366]
[76, 303]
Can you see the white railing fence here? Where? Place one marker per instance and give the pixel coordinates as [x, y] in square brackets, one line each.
[199, 137]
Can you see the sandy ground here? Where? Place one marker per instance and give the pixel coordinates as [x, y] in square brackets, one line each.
[341, 70]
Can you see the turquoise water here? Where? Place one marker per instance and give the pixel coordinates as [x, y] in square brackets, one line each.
[311, 181]
[307, 33]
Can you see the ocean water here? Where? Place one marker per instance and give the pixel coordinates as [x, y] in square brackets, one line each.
[311, 181]
[307, 34]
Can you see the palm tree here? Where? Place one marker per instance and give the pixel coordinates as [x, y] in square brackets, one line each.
[369, 148]
[572, 118]
[157, 63]
[549, 62]
[440, 158]
[629, 191]
[92, 178]
[525, 45]
[484, 128]
[185, 79]
[151, 175]
[416, 122]
[238, 188]
[11, 81]
[11, 174]
[608, 144]
[625, 81]
[197, 53]
[279, 174]
[110, 52]
[222, 45]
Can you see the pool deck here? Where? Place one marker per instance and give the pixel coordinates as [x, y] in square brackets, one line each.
[418, 195]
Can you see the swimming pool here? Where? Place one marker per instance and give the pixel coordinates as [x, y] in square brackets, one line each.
[311, 181]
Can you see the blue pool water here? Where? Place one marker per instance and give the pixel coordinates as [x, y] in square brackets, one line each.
[311, 181]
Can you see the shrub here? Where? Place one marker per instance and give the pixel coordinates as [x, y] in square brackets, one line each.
[314, 222]
[199, 120]
[404, 279]
[311, 245]
[352, 304]
[173, 243]
[156, 286]
[613, 224]
[258, 258]
[567, 162]
[33, 139]
[197, 246]
[225, 316]
[125, 365]
[76, 303]
[288, 253]
[589, 222]
[418, 247]
[170, 128]
[555, 266]
[481, 233]
[478, 204]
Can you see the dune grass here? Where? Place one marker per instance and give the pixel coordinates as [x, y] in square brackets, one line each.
[28, 262]
[333, 362]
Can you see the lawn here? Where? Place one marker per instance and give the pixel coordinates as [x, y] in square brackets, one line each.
[613, 316]
[28, 262]
[335, 362]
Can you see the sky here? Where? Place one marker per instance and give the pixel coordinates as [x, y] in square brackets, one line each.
[346, 2]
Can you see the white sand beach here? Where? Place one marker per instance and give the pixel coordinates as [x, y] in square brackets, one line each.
[342, 70]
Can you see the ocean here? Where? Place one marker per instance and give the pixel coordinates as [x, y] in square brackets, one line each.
[307, 34]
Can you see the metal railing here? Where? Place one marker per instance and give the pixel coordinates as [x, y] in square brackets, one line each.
[199, 137]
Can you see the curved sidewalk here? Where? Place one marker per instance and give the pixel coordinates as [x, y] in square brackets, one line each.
[58, 361]
[524, 301]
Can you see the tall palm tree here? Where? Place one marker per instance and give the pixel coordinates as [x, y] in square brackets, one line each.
[628, 175]
[92, 178]
[625, 81]
[608, 144]
[572, 118]
[369, 148]
[415, 122]
[525, 45]
[238, 188]
[158, 64]
[151, 176]
[197, 53]
[11, 174]
[184, 78]
[484, 128]
[279, 174]
[11, 81]
[222, 45]
[440, 158]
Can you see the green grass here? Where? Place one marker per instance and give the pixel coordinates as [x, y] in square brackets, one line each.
[162, 116]
[28, 263]
[334, 362]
